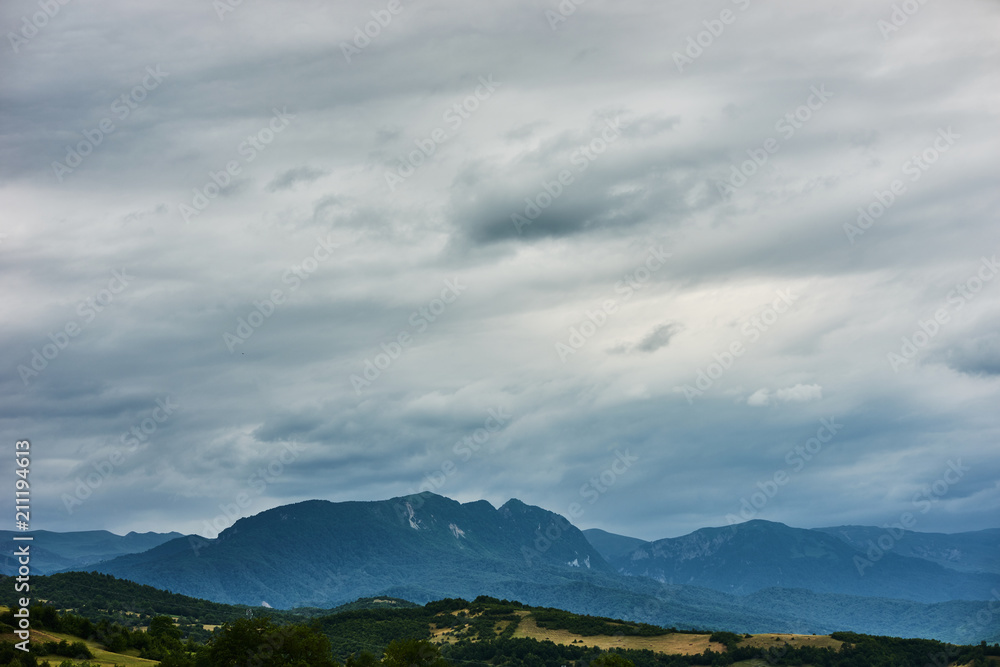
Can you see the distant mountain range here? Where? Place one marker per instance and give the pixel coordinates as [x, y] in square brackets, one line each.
[55, 552]
[755, 555]
[612, 546]
[965, 552]
[754, 577]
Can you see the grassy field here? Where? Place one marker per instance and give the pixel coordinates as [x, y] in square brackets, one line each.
[772, 640]
[675, 643]
[993, 660]
[101, 657]
[672, 643]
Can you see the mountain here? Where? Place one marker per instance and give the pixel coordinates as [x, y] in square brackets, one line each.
[748, 557]
[52, 552]
[424, 548]
[321, 554]
[611, 546]
[977, 551]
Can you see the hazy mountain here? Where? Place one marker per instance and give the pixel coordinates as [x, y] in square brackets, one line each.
[764, 611]
[52, 552]
[610, 545]
[751, 578]
[319, 553]
[977, 551]
[751, 556]
[771, 610]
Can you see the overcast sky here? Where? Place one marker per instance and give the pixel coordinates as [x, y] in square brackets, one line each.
[615, 239]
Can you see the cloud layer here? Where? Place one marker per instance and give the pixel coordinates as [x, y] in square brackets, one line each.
[479, 248]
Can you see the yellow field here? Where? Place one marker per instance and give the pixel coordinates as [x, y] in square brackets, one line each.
[101, 657]
[672, 643]
[675, 643]
[773, 640]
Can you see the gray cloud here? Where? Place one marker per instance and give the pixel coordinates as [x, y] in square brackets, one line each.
[292, 177]
[659, 337]
[302, 253]
[977, 357]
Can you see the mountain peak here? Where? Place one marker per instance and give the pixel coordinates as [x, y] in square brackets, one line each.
[761, 523]
[514, 503]
[339, 551]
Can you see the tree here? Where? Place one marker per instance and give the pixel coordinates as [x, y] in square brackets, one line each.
[46, 616]
[363, 659]
[413, 653]
[611, 660]
[117, 643]
[259, 642]
[176, 660]
[163, 626]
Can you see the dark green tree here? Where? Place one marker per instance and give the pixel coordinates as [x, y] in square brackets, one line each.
[258, 642]
[611, 660]
[363, 659]
[413, 653]
[163, 626]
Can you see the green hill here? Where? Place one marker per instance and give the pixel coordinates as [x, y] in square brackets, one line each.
[486, 631]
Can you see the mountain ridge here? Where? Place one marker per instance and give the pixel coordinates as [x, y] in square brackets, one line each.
[319, 553]
[54, 551]
[750, 556]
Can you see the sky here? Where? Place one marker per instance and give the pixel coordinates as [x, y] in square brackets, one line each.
[653, 265]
